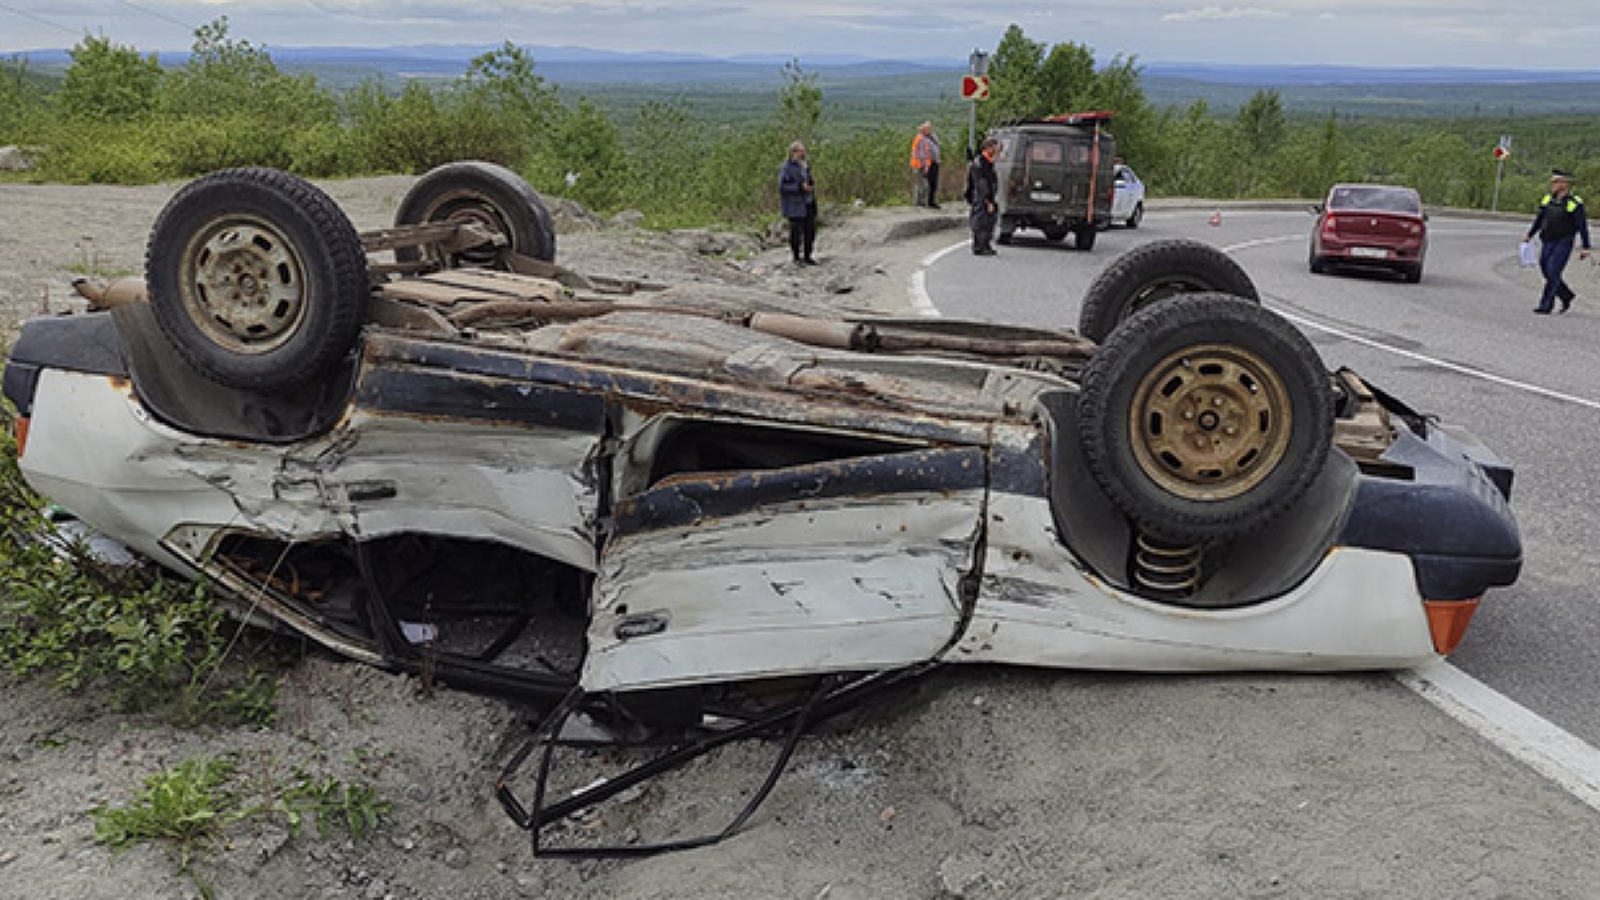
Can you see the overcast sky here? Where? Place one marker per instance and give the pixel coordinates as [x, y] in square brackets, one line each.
[1551, 34]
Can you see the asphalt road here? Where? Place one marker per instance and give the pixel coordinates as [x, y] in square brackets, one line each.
[1463, 345]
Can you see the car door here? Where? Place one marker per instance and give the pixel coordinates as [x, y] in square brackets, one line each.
[841, 555]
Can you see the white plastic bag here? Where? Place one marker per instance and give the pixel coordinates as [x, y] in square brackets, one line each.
[1527, 255]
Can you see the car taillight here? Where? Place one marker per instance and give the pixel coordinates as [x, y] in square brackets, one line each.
[19, 429]
[1329, 225]
[1448, 621]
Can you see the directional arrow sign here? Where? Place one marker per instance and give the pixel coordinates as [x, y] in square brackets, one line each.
[974, 87]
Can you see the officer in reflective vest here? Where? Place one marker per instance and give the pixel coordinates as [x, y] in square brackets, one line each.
[1560, 219]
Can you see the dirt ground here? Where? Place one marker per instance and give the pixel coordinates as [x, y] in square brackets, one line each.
[974, 783]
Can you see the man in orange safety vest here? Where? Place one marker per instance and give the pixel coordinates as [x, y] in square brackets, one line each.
[925, 159]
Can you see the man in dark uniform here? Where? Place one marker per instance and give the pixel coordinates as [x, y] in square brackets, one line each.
[983, 186]
[1561, 218]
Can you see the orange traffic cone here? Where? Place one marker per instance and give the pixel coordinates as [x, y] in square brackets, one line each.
[1216, 219]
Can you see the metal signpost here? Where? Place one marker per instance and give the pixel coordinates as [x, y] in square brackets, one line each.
[1501, 152]
[975, 87]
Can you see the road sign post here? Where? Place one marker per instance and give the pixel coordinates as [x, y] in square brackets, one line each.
[975, 87]
[1502, 151]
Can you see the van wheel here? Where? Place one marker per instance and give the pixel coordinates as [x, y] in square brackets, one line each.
[1153, 272]
[1055, 233]
[481, 193]
[1007, 229]
[1083, 236]
[1206, 419]
[257, 278]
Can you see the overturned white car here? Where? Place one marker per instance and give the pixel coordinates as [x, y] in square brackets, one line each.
[471, 461]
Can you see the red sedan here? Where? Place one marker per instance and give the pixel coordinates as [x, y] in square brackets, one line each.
[1371, 225]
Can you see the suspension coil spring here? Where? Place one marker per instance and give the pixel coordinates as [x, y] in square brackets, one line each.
[1167, 568]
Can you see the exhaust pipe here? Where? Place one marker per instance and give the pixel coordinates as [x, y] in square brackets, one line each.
[120, 292]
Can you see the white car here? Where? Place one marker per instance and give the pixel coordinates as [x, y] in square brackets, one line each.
[663, 510]
[1127, 200]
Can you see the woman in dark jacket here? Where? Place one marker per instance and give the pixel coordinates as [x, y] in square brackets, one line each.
[797, 194]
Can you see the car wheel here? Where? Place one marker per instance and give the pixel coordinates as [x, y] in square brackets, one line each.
[1205, 419]
[1152, 273]
[1412, 274]
[1007, 229]
[1137, 217]
[1316, 263]
[484, 194]
[1055, 233]
[1083, 236]
[257, 278]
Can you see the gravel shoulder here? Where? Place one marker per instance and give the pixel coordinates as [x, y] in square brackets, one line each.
[974, 783]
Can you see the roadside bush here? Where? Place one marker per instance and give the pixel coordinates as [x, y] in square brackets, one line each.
[90, 153]
[197, 145]
[871, 167]
[586, 162]
[423, 127]
[325, 150]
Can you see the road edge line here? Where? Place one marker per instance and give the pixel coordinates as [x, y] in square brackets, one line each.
[1530, 739]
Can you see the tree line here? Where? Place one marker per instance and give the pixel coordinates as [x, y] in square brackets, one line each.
[121, 117]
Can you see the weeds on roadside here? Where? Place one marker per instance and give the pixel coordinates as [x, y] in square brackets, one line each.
[191, 806]
[332, 803]
[188, 806]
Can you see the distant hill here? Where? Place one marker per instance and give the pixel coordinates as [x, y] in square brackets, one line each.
[621, 78]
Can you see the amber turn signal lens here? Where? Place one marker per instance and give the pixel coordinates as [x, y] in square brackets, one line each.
[1448, 621]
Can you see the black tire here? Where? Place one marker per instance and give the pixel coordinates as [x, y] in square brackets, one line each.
[1153, 272]
[1138, 215]
[1317, 264]
[257, 278]
[1056, 233]
[1007, 229]
[1206, 419]
[483, 193]
[1083, 236]
[1412, 274]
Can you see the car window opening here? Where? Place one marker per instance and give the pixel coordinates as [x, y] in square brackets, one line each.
[473, 600]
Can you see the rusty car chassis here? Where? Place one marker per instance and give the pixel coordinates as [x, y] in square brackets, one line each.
[692, 510]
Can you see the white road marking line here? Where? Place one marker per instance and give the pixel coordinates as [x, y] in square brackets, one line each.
[1535, 742]
[921, 303]
[1408, 354]
[1454, 367]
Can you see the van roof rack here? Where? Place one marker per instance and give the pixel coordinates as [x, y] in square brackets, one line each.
[1081, 118]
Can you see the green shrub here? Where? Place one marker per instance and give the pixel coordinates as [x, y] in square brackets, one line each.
[84, 153]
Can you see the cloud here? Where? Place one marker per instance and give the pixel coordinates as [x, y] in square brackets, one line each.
[1218, 13]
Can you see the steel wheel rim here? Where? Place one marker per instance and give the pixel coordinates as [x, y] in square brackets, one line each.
[1210, 422]
[244, 285]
